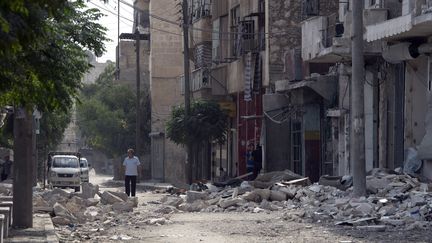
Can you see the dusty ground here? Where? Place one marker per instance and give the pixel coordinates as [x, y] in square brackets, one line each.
[231, 227]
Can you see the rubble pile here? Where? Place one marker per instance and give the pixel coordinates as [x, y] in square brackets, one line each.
[394, 200]
[71, 208]
[79, 216]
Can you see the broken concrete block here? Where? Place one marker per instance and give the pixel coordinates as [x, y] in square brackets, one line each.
[268, 206]
[192, 196]
[56, 191]
[58, 220]
[263, 193]
[109, 198]
[277, 196]
[91, 202]
[363, 209]
[289, 191]
[213, 201]
[123, 206]
[225, 203]
[38, 201]
[166, 210]
[387, 210]
[235, 192]
[89, 190]
[315, 188]
[196, 206]
[252, 196]
[172, 200]
[133, 201]
[159, 221]
[121, 195]
[60, 210]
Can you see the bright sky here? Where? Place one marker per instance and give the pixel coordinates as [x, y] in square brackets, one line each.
[110, 22]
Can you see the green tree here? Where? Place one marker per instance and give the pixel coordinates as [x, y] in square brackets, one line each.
[42, 61]
[206, 123]
[106, 115]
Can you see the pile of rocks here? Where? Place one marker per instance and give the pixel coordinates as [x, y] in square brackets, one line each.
[394, 200]
[90, 205]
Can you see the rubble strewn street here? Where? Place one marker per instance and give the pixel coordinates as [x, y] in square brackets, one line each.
[289, 208]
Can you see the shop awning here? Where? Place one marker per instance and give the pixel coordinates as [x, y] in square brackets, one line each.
[406, 26]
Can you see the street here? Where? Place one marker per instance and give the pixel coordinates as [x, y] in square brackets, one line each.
[152, 221]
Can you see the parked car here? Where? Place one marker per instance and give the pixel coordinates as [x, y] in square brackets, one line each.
[64, 170]
[85, 167]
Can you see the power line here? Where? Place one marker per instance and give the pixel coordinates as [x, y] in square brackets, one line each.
[281, 33]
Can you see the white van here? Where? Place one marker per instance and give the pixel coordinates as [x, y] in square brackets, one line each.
[64, 171]
[84, 166]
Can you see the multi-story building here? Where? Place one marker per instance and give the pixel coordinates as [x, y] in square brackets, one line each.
[404, 103]
[166, 65]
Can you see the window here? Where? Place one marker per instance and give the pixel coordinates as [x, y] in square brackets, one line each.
[236, 31]
[200, 9]
[310, 8]
[65, 162]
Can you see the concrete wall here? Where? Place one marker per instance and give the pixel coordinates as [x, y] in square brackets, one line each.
[166, 64]
[415, 101]
[127, 64]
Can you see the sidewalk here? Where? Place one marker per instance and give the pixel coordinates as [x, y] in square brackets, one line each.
[42, 231]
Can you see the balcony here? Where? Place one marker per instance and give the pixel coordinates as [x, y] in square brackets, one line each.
[206, 82]
[323, 41]
[415, 22]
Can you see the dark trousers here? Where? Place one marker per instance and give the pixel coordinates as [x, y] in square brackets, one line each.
[251, 177]
[130, 184]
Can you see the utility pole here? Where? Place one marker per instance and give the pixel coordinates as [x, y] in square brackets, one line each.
[357, 110]
[22, 169]
[137, 36]
[186, 83]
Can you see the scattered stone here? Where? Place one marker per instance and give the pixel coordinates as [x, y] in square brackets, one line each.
[192, 196]
[121, 195]
[60, 210]
[91, 202]
[374, 228]
[225, 203]
[277, 196]
[166, 210]
[89, 190]
[123, 206]
[58, 220]
[159, 221]
[109, 198]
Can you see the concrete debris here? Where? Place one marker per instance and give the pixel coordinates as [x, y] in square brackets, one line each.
[58, 220]
[157, 221]
[192, 196]
[123, 206]
[109, 198]
[89, 190]
[61, 211]
[394, 200]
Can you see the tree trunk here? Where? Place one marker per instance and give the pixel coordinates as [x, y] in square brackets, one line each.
[23, 166]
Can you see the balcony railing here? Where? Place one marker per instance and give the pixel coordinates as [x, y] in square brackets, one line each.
[199, 79]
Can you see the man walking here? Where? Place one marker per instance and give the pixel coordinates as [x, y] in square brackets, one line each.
[131, 164]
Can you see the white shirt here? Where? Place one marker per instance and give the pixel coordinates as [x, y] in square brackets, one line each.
[131, 166]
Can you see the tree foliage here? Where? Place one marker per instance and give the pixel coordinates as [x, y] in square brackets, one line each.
[42, 51]
[207, 122]
[106, 115]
